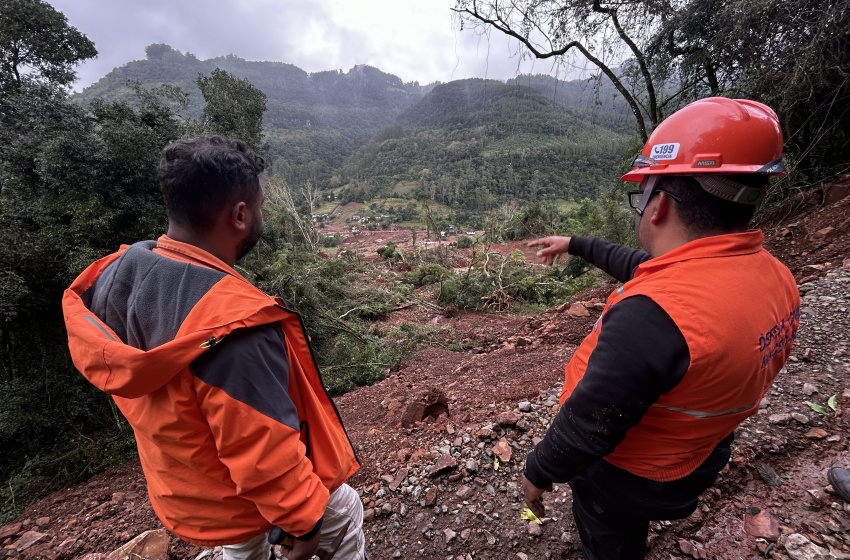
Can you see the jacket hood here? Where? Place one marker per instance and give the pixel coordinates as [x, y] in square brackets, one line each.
[125, 314]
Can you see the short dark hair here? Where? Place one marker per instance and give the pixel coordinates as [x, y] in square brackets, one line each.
[199, 177]
[706, 214]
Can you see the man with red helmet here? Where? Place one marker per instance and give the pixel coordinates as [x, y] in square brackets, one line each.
[688, 345]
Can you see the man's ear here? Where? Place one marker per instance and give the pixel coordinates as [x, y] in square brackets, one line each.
[238, 215]
[662, 209]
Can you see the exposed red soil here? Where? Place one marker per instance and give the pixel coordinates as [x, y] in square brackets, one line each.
[515, 359]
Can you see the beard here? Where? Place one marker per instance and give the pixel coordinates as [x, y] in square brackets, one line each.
[251, 240]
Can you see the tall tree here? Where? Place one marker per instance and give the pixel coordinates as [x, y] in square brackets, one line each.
[603, 32]
[234, 108]
[792, 55]
[36, 40]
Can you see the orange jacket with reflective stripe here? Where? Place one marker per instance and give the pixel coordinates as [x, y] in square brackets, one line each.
[218, 470]
[738, 309]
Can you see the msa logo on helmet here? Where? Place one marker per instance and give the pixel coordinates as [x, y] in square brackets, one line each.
[706, 163]
[665, 151]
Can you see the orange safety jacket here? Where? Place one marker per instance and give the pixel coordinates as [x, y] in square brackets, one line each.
[218, 470]
[738, 309]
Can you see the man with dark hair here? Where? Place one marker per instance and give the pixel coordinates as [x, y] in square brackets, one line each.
[688, 345]
[236, 433]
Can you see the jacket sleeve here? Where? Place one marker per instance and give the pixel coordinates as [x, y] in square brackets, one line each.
[242, 388]
[640, 355]
[616, 260]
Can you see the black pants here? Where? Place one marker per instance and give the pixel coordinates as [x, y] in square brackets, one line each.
[612, 507]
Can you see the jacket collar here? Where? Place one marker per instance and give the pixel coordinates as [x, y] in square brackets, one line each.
[731, 244]
[191, 254]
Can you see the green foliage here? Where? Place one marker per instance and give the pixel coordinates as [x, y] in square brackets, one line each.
[75, 185]
[234, 108]
[464, 242]
[472, 144]
[389, 252]
[428, 274]
[33, 35]
[803, 75]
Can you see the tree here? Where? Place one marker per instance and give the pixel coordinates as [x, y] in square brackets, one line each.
[791, 55]
[36, 38]
[234, 108]
[601, 31]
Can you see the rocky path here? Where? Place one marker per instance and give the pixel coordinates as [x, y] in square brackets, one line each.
[440, 476]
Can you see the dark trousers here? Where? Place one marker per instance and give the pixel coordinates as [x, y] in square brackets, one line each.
[612, 507]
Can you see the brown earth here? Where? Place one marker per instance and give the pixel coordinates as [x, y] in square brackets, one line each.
[506, 387]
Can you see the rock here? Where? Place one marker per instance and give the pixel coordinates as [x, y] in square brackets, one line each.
[762, 525]
[41, 521]
[151, 545]
[399, 478]
[782, 418]
[578, 310]
[819, 496]
[764, 403]
[369, 515]
[449, 535]
[444, 464]
[691, 549]
[503, 450]
[402, 509]
[801, 418]
[417, 456]
[464, 535]
[534, 529]
[816, 433]
[387, 509]
[387, 478]
[809, 388]
[799, 547]
[9, 530]
[522, 556]
[431, 496]
[431, 403]
[524, 406]
[27, 540]
[507, 418]
[484, 433]
[464, 492]
[472, 466]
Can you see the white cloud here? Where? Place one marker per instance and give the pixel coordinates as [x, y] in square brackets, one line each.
[414, 40]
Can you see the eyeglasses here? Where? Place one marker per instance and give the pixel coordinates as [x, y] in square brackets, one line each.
[636, 195]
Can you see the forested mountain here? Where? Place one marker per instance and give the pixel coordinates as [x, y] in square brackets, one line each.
[313, 121]
[473, 143]
[468, 142]
[599, 94]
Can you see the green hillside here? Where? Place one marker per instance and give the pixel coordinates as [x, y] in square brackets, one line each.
[469, 143]
[313, 121]
[473, 143]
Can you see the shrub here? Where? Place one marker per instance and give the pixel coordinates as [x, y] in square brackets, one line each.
[464, 242]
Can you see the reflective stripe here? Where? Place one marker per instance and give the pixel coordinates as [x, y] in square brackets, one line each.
[704, 414]
[620, 291]
[95, 322]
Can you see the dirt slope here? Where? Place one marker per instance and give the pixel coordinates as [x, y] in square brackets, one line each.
[501, 397]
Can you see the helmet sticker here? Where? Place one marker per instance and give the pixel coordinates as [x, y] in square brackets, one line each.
[665, 151]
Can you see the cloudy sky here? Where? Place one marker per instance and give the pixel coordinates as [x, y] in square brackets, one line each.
[413, 39]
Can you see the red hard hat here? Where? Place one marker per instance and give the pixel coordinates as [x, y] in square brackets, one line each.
[713, 135]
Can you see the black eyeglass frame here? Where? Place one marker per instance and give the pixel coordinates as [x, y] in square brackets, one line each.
[636, 195]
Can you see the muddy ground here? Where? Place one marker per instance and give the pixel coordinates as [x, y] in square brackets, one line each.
[501, 396]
